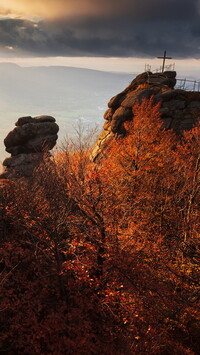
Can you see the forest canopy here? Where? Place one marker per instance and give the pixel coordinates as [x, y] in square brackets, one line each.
[104, 258]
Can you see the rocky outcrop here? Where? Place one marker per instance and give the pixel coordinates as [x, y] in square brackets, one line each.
[28, 142]
[179, 109]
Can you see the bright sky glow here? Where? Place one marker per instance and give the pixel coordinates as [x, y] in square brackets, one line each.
[54, 8]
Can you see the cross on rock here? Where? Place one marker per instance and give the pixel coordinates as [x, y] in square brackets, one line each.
[164, 58]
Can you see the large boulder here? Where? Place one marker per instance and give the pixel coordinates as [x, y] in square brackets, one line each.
[179, 109]
[26, 136]
[28, 142]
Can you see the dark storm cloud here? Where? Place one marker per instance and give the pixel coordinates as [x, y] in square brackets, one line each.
[128, 28]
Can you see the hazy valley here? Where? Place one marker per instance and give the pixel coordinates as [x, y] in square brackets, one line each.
[68, 94]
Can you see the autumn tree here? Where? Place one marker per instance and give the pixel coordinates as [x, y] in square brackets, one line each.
[55, 292]
[155, 178]
[104, 258]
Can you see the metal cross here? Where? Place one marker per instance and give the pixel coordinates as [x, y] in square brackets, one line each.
[164, 58]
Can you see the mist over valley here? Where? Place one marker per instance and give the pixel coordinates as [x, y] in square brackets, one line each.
[69, 94]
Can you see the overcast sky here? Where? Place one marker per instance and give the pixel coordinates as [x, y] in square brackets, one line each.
[95, 28]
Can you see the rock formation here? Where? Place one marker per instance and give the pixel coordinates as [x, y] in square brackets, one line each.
[30, 140]
[179, 108]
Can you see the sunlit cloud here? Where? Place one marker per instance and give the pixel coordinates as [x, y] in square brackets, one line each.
[109, 28]
[67, 8]
[55, 8]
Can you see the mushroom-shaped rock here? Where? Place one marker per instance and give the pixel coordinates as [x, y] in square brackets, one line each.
[28, 142]
[26, 137]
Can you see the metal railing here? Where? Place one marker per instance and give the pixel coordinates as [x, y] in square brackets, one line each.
[184, 84]
[188, 85]
[169, 67]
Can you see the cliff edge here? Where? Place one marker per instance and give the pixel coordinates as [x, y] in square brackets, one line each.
[179, 109]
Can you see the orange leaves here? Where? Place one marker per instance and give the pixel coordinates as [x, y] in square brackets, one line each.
[103, 259]
[146, 144]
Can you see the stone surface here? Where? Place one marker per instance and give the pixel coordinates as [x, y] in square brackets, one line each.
[28, 143]
[23, 120]
[194, 105]
[179, 109]
[23, 135]
[116, 100]
[134, 96]
[108, 114]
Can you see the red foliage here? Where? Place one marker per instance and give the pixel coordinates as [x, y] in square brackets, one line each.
[104, 260]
